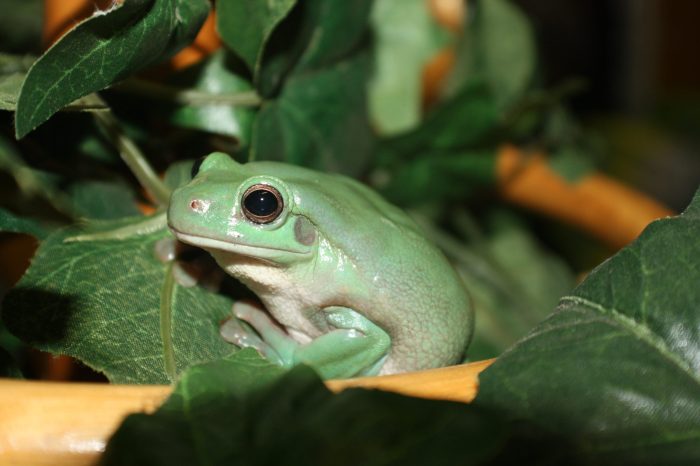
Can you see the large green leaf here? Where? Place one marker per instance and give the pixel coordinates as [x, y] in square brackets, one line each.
[617, 366]
[406, 36]
[246, 25]
[13, 71]
[319, 120]
[499, 45]
[104, 49]
[99, 300]
[242, 411]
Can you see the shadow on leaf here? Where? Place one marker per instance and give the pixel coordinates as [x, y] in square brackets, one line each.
[38, 316]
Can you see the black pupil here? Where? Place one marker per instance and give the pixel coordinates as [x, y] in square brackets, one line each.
[261, 203]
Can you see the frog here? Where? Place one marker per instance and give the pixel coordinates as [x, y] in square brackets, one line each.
[348, 282]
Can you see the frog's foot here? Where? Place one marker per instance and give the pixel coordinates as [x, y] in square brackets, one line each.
[357, 346]
[254, 328]
[239, 333]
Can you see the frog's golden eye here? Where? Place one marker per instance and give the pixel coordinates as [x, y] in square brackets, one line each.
[262, 203]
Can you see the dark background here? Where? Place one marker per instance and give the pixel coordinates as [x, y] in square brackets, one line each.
[641, 63]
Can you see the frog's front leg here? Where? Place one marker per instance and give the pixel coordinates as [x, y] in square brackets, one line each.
[355, 347]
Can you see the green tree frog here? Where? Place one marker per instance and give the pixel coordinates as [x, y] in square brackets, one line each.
[350, 285]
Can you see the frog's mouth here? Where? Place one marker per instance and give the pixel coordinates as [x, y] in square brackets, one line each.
[238, 247]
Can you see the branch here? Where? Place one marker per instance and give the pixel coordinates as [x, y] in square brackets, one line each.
[70, 423]
[597, 204]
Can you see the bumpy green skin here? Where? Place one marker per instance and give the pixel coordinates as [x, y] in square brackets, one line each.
[354, 287]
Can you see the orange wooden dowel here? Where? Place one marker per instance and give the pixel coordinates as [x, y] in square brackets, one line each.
[597, 204]
[61, 424]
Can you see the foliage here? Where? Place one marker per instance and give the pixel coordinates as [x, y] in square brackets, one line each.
[336, 86]
[274, 418]
[624, 346]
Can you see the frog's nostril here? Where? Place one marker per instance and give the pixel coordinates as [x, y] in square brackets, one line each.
[199, 206]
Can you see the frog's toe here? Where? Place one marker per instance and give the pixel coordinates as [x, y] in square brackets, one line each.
[233, 331]
[240, 334]
[253, 315]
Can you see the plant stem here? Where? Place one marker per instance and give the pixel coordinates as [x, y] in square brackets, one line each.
[133, 157]
[188, 96]
[166, 327]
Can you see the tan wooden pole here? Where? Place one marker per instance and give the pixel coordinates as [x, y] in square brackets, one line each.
[68, 424]
[598, 204]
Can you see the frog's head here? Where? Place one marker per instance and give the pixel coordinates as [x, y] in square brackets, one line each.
[230, 208]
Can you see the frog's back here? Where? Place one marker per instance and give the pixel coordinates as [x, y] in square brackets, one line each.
[412, 290]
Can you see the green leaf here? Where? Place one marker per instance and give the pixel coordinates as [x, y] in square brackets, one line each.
[241, 411]
[215, 76]
[104, 49]
[313, 74]
[499, 45]
[98, 301]
[316, 34]
[466, 121]
[572, 150]
[406, 36]
[571, 163]
[246, 25]
[616, 366]
[20, 25]
[513, 281]
[437, 176]
[14, 224]
[13, 72]
[444, 157]
[9, 89]
[95, 199]
[319, 120]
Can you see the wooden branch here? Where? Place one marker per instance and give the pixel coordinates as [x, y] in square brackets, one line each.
[68, 424]
[597, 204]
[455, 383]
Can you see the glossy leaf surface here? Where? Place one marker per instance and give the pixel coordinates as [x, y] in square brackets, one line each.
[616, 366]
[103, 49]
[242, 410]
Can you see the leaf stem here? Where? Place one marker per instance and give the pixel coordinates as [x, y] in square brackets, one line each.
[188, 96]
[166, 327]
[133, 157]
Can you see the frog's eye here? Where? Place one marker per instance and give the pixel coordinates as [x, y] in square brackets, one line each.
[262, 203]
[195, 166]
